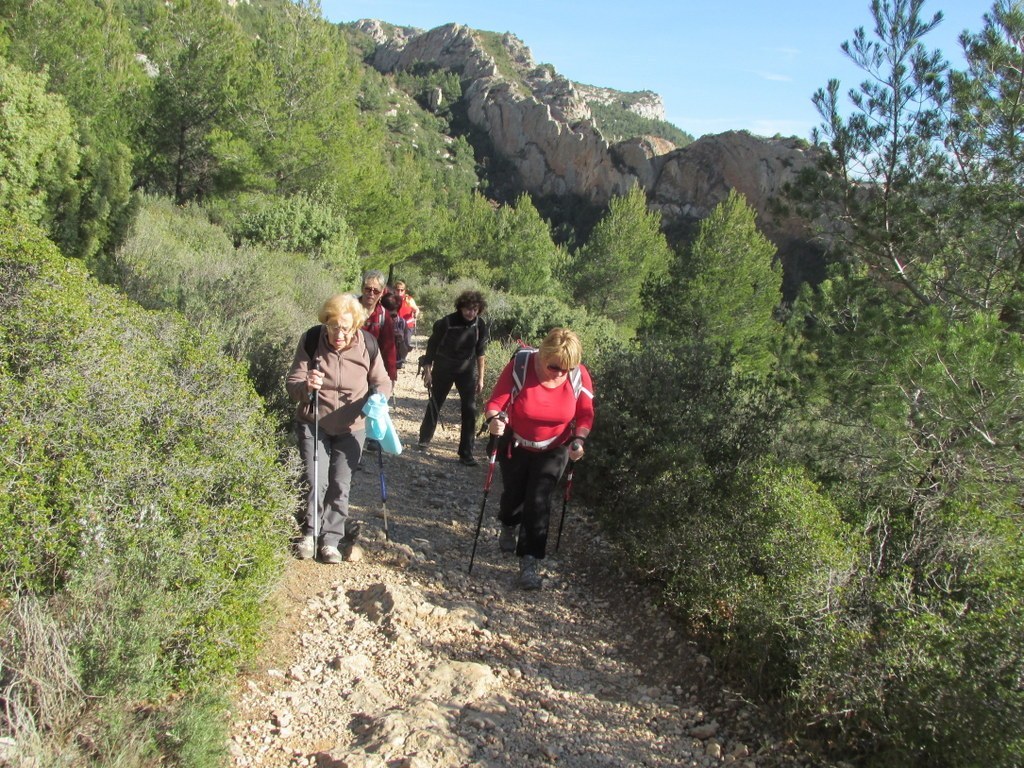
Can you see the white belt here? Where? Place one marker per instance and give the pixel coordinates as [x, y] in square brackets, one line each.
[535, 445]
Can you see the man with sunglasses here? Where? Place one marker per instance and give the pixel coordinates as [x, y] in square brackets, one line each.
[378, 321]
[542, 424]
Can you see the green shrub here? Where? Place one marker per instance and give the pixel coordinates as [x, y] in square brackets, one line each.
[531, 317]
[300, 223]
[759, 567]
[919, 671]
[146, 509]
[673, 413]
[253, 302]
[39, 153]
[680, 469]
[911, 420]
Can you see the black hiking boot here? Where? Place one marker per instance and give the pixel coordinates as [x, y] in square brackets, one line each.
[507, 538]
[529, 573]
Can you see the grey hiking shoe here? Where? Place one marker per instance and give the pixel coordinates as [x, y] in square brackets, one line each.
[329, 554]
[507, 538]
[529, 573]
[305, 548]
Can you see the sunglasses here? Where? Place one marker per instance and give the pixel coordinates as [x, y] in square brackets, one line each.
[370, 289]
[556, 369]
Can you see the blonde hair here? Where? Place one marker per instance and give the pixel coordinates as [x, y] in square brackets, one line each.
[562, 346]
[341, 304]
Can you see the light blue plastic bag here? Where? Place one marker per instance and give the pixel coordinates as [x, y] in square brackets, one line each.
[379, 426]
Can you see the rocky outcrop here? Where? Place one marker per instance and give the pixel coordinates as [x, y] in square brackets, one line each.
[644, 103]
[693, 180]
[541, 123]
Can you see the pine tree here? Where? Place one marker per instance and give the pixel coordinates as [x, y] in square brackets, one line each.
[624, 251]
[728, 289]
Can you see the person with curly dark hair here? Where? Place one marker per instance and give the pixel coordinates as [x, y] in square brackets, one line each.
[455, 356]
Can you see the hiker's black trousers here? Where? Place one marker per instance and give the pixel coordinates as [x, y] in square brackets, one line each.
[528, 479]
[441, 381]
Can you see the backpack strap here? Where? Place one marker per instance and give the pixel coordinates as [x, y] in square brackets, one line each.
[312, 340]
[520, 366]
[576, 379]
[372, 346]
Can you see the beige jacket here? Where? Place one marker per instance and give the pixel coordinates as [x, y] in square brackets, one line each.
[348, 378]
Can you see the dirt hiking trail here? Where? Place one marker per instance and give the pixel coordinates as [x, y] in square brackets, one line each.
[403, 660]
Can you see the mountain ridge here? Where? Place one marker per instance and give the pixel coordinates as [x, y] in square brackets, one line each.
[540, 125]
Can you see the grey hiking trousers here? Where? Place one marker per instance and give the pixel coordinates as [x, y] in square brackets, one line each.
[338, 459]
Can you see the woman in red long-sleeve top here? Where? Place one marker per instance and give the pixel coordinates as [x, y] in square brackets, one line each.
[541, 426]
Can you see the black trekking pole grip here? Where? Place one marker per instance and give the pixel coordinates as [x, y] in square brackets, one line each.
[492, 455]
[314, 366]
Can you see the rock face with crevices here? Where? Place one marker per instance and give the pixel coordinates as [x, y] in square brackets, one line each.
[540, 123]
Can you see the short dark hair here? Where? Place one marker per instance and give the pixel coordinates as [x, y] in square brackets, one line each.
[469, 299]
[390, 302]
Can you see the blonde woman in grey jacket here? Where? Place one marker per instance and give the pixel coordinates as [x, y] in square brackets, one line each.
[335, 373]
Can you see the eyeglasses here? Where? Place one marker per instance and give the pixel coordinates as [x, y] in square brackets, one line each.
[559, 371]
[344, 332]
[371, 289]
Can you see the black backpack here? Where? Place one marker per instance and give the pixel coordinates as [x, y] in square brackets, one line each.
[313, 339]
[402, 346]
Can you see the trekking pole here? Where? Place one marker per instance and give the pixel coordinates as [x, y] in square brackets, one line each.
[432, 404]
[566, 495]
[316, 469]
[492, 455]
[383, 491]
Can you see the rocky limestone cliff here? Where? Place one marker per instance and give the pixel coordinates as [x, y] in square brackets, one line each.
[644, 103]
[539, 121]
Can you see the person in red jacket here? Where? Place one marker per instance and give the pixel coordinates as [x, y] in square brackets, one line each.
[407, 309]
[378, 321]
[542, 424]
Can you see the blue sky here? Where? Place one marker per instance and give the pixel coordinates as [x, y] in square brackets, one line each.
[718, 66]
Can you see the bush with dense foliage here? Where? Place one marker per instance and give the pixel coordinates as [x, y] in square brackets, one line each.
[142, 510]
[39, 154]
[252, 302]
[681, 471]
